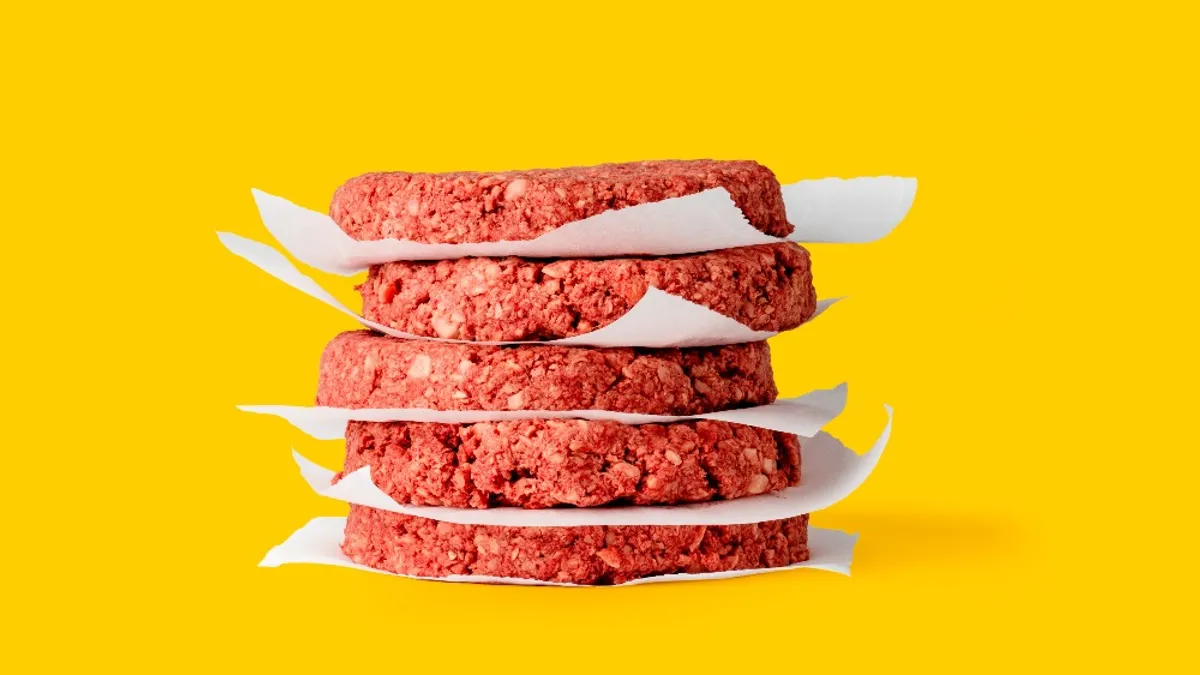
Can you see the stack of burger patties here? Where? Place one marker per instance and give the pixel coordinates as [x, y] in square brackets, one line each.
[542, 462]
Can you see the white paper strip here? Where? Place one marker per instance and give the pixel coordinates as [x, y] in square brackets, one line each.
[847, 211]
[319, 542]
[803, 415]
[826, 210]
[659, 319]
[829, 473]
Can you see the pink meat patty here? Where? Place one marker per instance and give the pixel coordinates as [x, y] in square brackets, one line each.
[582, 555]
[545, 463]
[767, 287]
[464, 207]
[360, 369]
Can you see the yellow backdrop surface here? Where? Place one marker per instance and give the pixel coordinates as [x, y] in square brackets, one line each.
[1030, 322]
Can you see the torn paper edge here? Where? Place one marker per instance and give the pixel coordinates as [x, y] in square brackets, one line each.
[801, 415]
[830, 472]
[318, 542]
[828, 210]
[658, 320]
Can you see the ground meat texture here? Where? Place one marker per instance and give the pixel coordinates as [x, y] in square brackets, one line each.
[768, 288]
[361, 369]
[545, 463]
[465, 207]
[582, 555]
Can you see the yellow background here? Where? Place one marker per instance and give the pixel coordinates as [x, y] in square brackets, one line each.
[1031, 322]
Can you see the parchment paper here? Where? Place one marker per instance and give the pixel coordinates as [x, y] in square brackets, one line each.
[318, 542]
[829, 473]
[830, 210]
[803, 415]
[659, 319]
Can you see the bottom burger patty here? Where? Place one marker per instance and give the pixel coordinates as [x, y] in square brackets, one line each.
[593, 555]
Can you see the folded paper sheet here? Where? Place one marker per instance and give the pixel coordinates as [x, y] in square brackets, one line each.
[829, 473]
[830, 210]
[659, 319]
[319, 543]
[803, 415]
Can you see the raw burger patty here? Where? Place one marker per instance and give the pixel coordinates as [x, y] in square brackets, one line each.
[360, 369]
[544, 463]
[767, 287]
[455, 208]
[582, 555]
